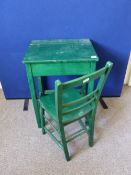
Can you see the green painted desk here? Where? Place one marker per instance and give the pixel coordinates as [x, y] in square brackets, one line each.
[58, 57]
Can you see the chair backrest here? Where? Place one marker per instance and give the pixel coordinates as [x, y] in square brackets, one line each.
[86, 99]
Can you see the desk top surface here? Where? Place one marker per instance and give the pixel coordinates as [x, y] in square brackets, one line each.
[67, 50]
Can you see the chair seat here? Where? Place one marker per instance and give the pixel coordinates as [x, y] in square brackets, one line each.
[48, 103]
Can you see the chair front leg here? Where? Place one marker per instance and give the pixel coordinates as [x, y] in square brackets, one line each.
[42, 116]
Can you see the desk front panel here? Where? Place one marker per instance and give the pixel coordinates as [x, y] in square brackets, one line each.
[70, 68]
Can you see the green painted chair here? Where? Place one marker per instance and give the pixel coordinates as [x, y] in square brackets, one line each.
[71, 102]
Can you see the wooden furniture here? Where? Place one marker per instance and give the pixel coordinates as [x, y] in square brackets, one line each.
[71, 102]
[57, 57]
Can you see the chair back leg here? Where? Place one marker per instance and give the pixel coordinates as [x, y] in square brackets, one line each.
[64, 143]
[91, 127]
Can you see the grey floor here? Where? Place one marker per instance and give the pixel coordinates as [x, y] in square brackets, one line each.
[25, 151]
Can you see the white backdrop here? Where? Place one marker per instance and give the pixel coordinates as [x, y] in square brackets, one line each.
[128, 73]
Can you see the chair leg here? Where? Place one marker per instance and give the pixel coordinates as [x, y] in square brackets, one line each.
[91, 128]
[87, 118]
[91, 134]
[64, 143]
[42, 116]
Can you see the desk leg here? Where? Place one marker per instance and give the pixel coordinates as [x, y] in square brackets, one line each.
[33, 94]
[91, 83]
[91, 86]
[40, 86]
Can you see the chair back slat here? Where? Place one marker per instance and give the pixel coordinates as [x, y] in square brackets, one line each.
[84, 100]
[79, 107]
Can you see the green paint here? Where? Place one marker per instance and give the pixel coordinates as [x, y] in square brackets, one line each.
[58, 57]
[66, 105]
[43, 51]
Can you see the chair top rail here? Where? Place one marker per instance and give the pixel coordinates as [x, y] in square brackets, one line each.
[84, 79]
